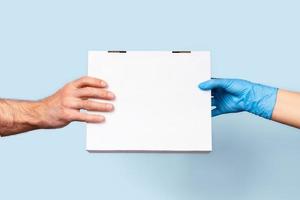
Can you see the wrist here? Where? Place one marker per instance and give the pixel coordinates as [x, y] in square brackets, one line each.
[29, 114]
[263, 99]
[40, 114]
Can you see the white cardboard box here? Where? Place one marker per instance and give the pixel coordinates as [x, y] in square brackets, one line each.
[158, 105]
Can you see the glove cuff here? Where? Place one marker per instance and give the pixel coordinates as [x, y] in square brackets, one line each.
[263, 106]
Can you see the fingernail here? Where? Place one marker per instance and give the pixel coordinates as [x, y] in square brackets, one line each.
[101, 118]
[109, 107]
[110, 95]
[103, 84]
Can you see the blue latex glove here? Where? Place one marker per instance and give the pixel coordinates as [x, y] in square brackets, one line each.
[235, 95]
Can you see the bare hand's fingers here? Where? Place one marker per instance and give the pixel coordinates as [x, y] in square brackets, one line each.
[89, 81]
[91, 105]
[89, 118]
[97, 93]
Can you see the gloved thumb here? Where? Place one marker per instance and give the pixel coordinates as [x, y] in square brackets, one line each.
[212, 84]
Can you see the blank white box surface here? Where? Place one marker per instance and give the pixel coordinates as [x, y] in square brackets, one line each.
[158, 105]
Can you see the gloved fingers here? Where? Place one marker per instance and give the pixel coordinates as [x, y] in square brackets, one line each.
[215, 92]
[218, 92]
[213, 101]
[215, 112]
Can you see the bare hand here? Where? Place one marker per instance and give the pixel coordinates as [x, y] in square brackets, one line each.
[64, 106]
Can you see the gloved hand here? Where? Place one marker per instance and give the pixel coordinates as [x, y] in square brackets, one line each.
[235, 95]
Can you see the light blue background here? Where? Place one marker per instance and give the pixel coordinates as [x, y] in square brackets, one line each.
[44, 45]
